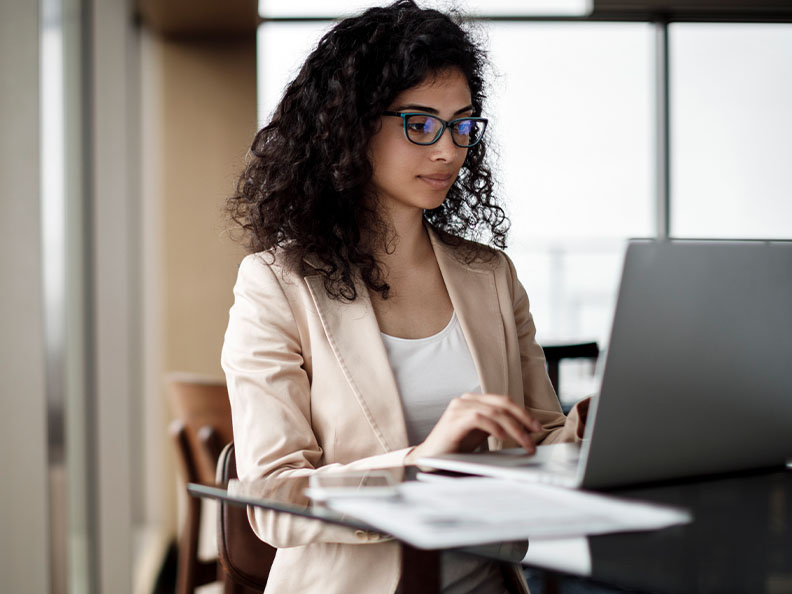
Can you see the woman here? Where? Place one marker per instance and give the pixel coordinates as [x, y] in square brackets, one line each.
[367, 330]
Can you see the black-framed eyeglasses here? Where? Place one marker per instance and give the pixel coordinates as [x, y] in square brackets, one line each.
[425, 129]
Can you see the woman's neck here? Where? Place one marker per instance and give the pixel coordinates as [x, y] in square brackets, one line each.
[418, 304]
[408, 244]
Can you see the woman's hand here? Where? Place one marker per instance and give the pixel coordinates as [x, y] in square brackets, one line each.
[582, 410]
[470, 419]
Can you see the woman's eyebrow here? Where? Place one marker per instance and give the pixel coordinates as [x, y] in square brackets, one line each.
[432, 110]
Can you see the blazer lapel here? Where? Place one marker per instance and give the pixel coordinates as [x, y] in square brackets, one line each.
[354, 337]
[475, 299]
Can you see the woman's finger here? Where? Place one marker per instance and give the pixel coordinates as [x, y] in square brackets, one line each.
[469, 418]
[506, 403]
[486, 424]
[516, 431]
[500, 417]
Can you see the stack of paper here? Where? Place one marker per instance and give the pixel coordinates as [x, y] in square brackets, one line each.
[470, 511]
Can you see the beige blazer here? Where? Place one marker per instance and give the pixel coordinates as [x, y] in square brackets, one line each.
[312, 390]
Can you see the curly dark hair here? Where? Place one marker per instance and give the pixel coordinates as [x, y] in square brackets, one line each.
[306, 186]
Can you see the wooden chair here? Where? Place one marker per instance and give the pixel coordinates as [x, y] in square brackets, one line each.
[201, 427]
[245, 559]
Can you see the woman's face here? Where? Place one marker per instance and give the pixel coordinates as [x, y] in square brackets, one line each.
[408, 176]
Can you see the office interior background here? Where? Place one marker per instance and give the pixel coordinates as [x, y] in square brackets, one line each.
[123, 127]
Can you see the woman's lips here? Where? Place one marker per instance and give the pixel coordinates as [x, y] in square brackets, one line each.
[438, 182]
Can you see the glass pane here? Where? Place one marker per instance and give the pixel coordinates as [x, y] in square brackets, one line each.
[731, 115]
[66, 287]
[571, 124]
[571, 115]
[281, 50]
[322, 8]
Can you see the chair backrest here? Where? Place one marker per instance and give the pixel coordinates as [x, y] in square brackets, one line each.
[245, 558]
[198, 403]
[554, 354]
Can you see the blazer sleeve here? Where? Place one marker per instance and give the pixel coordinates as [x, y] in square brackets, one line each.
[270, 396]
[538, 393]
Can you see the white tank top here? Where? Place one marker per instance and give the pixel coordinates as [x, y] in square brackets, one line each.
[429, 373]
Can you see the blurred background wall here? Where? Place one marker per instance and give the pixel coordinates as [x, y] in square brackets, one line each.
[198, 119]
[124, 126]
[24, 514]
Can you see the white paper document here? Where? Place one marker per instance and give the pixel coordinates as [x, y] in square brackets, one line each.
[569, 555]
[471, 511]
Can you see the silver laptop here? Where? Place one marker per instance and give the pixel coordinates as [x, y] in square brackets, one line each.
[697, 379]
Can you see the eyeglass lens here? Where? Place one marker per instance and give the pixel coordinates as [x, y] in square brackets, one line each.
[426, 129]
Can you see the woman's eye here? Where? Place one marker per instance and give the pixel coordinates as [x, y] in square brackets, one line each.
[464, 127]
[422, 124]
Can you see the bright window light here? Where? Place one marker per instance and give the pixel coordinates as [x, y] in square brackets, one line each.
[342, 8]
[731, 135]
[282, 48]
[572, 130]
[571, 123]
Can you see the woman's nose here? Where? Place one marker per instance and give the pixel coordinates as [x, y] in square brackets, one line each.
[444, 148]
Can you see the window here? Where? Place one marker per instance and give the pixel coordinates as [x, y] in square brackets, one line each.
[572, 123]
[572, 119]
[731, 135]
